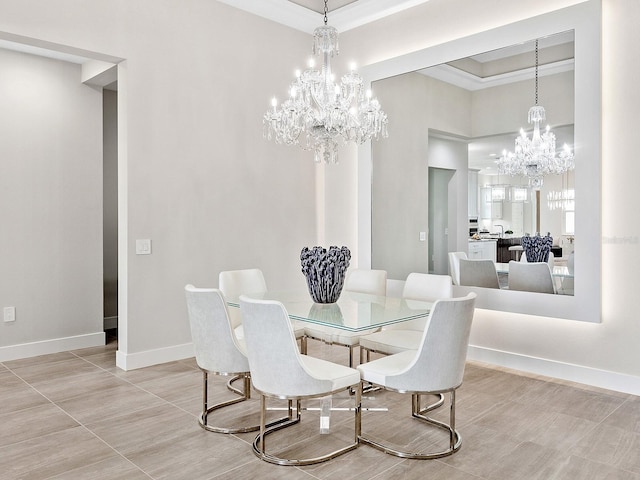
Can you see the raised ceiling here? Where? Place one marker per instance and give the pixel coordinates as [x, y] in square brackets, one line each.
[305, 15]
[318, 6]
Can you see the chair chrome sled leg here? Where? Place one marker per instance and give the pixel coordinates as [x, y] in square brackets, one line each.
[244, 394]
[455, 440]
[259, 446]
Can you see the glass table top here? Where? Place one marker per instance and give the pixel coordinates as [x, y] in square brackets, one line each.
[352, 312]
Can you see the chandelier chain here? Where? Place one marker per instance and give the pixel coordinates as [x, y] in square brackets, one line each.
[536, 71]
[326, 9]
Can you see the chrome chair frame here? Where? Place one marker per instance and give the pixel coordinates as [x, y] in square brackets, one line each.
[278, 370]
[244, 394]
[455, 440]
[259, 448]
[211, 314]
[435, 368]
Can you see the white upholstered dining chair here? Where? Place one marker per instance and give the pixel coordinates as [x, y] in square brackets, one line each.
[234, 283]
[531, 277]
[403, 336]
[217, 351]
[437, 367]
[479, 273]
[454, 265]
[278, 370]
[373, 282]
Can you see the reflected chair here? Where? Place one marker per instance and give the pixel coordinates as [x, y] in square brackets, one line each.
[531, 277]
[373, 282]
[478, 273]
[278, 370]
[437, 367]
[454, 265]
[217, 351]
[403, 336]
[234, 283]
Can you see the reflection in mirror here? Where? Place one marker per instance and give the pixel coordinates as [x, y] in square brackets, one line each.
[487, 97]
[448, 122]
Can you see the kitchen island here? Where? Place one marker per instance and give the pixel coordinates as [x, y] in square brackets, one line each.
[504, 255]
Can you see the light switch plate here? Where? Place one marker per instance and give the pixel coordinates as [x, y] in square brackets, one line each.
[143, 247]
[9, 314]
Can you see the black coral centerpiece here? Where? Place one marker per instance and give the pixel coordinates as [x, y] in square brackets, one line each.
[537, 248]
[325, 271]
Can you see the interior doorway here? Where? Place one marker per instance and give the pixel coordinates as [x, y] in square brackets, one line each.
[441, 188]
[110, 210]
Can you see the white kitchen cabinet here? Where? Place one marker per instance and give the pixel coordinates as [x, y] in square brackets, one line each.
[483, 250]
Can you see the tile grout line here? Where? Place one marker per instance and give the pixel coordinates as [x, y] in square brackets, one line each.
[82, 424]
[135, 385]
[179, 408]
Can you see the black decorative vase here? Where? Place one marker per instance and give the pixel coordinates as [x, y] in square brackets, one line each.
[325, 271]
[537, 248]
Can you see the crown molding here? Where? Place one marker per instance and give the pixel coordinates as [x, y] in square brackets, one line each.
[468, 81]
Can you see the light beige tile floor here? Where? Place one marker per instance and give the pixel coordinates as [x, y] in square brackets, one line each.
[74, 415]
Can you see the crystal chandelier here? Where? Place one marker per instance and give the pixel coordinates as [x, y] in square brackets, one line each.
[536, 157]
[321, 114]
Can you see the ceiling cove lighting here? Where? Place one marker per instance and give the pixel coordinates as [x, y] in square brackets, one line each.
[321, 114]
[536, 157]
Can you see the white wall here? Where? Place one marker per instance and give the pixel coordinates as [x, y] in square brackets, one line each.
[197, 178]
[50, 206]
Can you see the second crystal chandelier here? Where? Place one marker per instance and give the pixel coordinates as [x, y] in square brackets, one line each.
[320, 113]
[536, 157]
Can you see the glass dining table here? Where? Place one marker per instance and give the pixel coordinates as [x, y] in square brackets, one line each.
[353, 312]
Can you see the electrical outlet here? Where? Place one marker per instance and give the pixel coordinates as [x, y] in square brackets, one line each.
[9, 314]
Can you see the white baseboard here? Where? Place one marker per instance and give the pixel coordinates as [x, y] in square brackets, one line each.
[131, 361]
[618, 382]
[45, 347]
